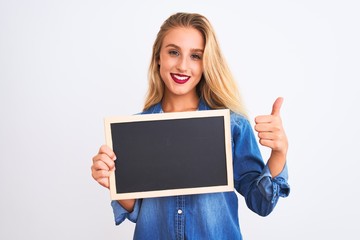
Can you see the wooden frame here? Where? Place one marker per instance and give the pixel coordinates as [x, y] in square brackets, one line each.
[169, 154]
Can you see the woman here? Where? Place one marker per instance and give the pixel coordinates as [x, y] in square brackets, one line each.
[188, 72]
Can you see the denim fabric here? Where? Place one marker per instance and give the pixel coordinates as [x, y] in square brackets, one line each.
[214, 215]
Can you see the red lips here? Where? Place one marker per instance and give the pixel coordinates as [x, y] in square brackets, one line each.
[179, 78]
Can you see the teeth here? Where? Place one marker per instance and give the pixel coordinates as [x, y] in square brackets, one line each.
[181, 78]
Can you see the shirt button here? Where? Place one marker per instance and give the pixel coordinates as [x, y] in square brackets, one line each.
[180, 211]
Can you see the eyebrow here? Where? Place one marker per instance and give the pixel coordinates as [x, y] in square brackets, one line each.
[177, 47]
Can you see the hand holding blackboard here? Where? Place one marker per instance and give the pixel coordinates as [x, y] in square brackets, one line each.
[103, 165]
[170, 154]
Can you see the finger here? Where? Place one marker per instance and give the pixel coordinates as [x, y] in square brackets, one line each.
[104, 158]
[264, 119]
[274, 145]
[104, 182]
[98, 174]
[266, 127]
[105, 149]
[100, 165]
[267, 136]
[277, 106]
[266, 143]
[99, 169]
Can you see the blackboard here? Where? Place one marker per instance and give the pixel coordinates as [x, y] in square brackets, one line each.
[170, 154]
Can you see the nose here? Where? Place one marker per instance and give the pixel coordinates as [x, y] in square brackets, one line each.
[182, 64]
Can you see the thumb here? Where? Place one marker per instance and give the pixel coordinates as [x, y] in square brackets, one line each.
[276, 106]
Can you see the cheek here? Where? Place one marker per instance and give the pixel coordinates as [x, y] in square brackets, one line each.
[198, 69]
[164, 62]
[163, 70]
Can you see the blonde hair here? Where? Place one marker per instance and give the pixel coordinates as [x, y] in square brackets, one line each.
[217, 87]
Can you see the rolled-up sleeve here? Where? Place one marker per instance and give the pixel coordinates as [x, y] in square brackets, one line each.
[120, 213]
[252, 177]
[273, 188]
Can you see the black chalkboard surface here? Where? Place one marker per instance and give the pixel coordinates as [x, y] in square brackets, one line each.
[169, 154]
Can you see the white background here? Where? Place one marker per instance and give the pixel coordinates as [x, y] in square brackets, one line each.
[64, 65]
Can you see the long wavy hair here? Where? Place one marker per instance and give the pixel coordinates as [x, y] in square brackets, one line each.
[217, 86]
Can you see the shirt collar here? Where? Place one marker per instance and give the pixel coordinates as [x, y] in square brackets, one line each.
[158, 109]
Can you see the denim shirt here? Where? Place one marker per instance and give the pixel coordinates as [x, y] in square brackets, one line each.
[213, 215]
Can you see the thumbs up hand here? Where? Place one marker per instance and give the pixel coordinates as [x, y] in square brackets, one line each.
[270, 130]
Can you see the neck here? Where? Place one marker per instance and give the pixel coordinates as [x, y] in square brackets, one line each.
[180, 103]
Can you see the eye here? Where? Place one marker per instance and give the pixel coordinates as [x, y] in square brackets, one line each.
[174, 53]
[196, 56]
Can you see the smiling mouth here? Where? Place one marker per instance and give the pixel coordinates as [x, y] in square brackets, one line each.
[179, 78]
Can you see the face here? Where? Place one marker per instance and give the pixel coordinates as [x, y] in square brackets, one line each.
[181, 65]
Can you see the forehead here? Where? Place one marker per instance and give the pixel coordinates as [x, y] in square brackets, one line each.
[184, 38]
